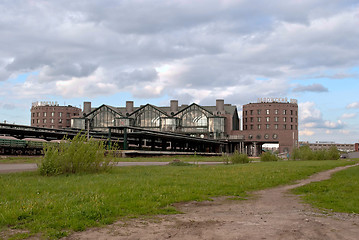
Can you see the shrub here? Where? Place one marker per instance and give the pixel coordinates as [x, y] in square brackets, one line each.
[268, 157]
[239, 158]
[74, 156]
[305, 153]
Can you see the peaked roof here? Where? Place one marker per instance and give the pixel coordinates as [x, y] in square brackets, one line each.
[104, 105]
[193, 104]
[148, 105]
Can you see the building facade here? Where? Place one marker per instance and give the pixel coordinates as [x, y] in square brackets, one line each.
[327, 145]
[270, 121]
[212, 122]
[263, 122]
[52, 115]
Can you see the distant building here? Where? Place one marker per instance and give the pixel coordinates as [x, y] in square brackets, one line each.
[326, 145]
[213, 122]
[52, 115]
[263, 122]
[270, 121]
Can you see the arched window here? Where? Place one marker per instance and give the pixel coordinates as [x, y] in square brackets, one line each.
[148, 117]
[103, 117]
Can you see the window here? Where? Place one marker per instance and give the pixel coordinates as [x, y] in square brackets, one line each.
[276, 119]
[60, 120]
[291, 127]
[291, 112]
[267, 119]
[259, 126]
[258, 111]
[284, 112]
[52, 120]
[276, 111]
[267, 111]
[37, 120]
[251, 119]
[245, 127]
[267, 126]
[284, 126]
[251, 112]
[33, 114]
[33, 120]
[276, 126]
[258, 119]
[60, 114]
[291, 119]
[245, 112]
[52, 114]
[245, 120]
[44, 114]
[38, 114]
[252, 126]
[68, 115]
[284, 119]
[44, 121]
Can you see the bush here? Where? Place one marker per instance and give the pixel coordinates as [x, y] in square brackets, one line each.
[239, 158]
[74, 156]
[305, 153]
[268, 157]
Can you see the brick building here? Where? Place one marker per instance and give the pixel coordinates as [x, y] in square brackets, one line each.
[270, 121]
[52, 115]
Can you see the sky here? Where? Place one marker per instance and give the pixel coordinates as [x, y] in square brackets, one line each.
[112, 51]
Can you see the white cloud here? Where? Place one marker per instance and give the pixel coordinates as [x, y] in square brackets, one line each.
[353, 105]
[306, 132]
[348, 115]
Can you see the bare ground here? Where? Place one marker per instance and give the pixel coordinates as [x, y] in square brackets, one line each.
[269, 214]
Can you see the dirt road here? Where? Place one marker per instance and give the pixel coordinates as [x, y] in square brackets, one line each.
[269, 214]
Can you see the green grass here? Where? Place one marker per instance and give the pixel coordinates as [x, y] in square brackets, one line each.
[190, 158]
[338, 194]
[20, 159]
[56, 206]
[183, 158]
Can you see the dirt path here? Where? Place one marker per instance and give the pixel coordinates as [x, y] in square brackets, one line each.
[270, 214]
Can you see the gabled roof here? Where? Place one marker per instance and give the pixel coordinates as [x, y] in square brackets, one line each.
[104, 105]
[193, 104]
[149, 105]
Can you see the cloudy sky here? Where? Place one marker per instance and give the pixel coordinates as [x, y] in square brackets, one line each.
[110, 51]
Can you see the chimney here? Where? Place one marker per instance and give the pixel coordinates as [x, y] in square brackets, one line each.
[220, 105]
[87, 108]
[129, 106]
[174, 106]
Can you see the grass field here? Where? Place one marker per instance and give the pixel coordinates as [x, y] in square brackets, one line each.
[189, 158]
[55, 206]
[19, 159]
[338, 194]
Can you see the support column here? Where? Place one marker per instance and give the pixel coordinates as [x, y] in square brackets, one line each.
[125, 143]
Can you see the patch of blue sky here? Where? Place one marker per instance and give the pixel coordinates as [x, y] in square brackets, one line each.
[21, 78]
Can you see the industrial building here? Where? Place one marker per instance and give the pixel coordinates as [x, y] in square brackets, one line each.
[263, 122]
[326, 145]
[270, 121]
[52, 115]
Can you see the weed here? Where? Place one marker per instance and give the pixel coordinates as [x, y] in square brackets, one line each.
[239, 158]
[74, 156]
[269, 157]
